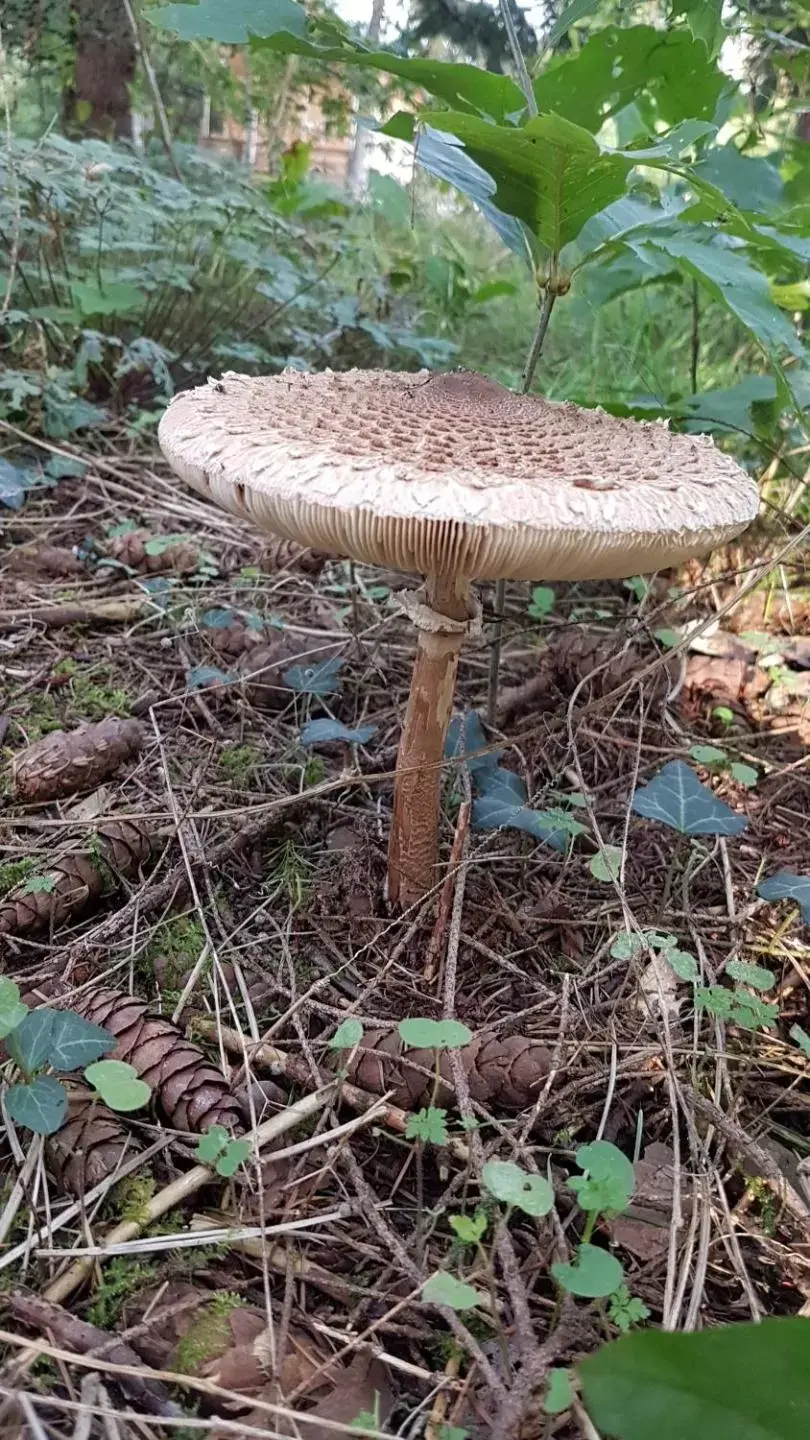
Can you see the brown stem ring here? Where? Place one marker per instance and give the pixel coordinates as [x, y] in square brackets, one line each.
[413, 846]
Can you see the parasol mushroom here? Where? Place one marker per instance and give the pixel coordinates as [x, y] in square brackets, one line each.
[455, 478]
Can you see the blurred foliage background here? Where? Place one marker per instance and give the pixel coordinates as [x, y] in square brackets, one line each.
[190, 188]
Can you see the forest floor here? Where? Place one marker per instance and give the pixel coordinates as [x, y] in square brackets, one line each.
[243, 902]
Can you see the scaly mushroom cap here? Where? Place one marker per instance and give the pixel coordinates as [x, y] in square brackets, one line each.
[454, 474]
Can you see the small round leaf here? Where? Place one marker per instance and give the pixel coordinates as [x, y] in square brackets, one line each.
[445, 1289]
[118, 1084]
[607, 865]
[424, 1034]
[513, 1186]
[609, 1178]
[593, 1273]
[348, 1034]
[559, 1394]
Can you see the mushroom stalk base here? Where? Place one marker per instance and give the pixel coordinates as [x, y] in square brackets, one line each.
[413, 845]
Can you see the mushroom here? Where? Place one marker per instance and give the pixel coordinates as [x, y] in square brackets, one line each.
[456, 478]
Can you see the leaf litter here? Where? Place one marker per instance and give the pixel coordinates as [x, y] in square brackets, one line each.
[244, 896]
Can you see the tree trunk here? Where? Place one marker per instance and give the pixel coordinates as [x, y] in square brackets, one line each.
[97, 102]
[356, 175]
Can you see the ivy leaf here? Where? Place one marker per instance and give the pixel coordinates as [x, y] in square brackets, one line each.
[675, 797]
[785, 885]
[15, 482]
[321, 679]
[118, 1084]
[348, 1034]
[62, 467]
[559, 1393]
[444, 1289]
[594, 1273]
[513, 1186]
[201, 676]
[465, 734]
[40, 1106]
[322, 731]
[501, 804]
[608, 1181]
[423, 1034]
[12, 1009]
[428, 1125]
[754, 975]
[75, 1042]
[231, 24]
[669, 1385]
[30, 1044]
[469, 1228]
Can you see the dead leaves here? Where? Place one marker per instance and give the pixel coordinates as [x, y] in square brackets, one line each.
[71, 762]
[154, 554]
[643, 1229]
[220, 1338]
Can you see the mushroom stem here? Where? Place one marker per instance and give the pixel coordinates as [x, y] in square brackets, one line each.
[413, 845]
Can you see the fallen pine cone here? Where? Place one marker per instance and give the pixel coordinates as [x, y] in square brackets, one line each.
[264, 667]
[574, 655]
[192, 1093]
[68, 762]
[154, 554]
[76, 880]
[231, 641]
[280, 554]
[508, 1073]
[90, 1145]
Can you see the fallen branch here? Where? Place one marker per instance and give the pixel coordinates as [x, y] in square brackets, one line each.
[83, 612]
[291, 1067]
[89, 1340]
[180, 1190]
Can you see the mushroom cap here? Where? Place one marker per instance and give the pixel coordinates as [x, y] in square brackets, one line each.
[453, 474]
